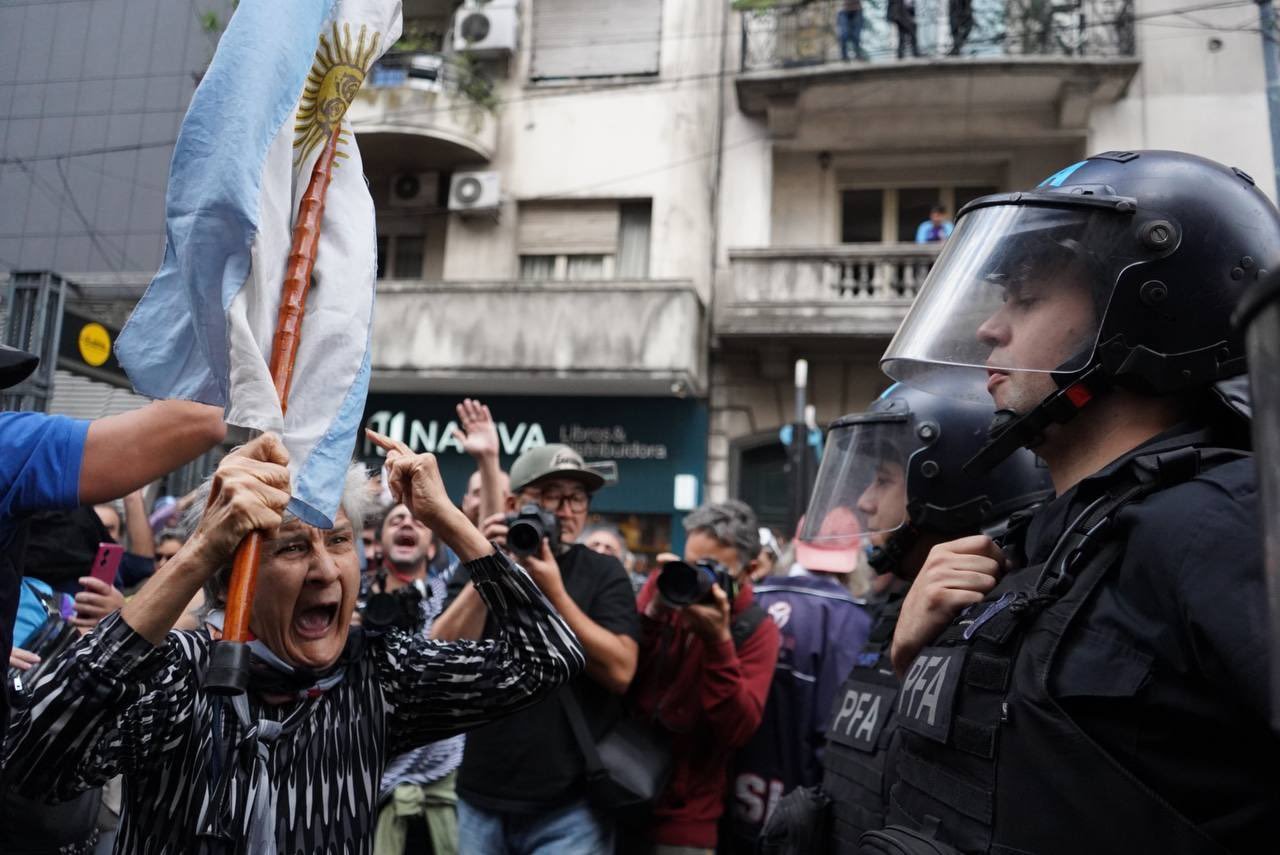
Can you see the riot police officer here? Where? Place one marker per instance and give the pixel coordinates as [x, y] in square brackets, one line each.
[1099, 684]
[891, 481]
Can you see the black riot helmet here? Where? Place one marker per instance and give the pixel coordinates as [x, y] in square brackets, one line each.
[896, 471]
[1120, 270]
[15, 365]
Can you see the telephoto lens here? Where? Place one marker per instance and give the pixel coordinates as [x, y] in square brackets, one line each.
[684, 584]
[397, 610]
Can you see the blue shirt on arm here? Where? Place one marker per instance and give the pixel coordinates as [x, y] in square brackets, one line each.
[40, 459]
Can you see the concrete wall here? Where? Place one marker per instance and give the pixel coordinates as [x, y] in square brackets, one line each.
[111, 77]
[752, 393]
[628, 139]
[1191, 95]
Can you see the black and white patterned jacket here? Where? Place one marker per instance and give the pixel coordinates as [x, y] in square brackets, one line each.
[115, 704]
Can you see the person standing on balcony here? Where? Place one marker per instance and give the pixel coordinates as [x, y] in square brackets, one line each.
[960, 16]
[849, 29]
[902, 14]
[937, 228]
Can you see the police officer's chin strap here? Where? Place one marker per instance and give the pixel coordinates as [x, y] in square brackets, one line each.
[1113, 361]
[888, 558]
[1010, 431]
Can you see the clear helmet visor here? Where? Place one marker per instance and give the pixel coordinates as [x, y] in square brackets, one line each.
[1017, 288]
[861, 488]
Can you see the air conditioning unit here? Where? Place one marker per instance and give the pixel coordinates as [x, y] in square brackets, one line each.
[485, 29]
[475, 193]
[415, 190]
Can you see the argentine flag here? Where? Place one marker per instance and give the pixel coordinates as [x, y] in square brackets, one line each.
[283, 76]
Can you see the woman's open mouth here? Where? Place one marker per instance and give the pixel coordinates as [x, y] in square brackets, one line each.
[315, 621]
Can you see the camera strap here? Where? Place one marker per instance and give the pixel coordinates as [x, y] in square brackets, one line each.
[745, 625]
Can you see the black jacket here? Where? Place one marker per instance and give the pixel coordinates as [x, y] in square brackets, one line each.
[1129, 712]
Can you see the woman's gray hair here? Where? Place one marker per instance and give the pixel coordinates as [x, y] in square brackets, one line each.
[732, 523]
[358, 501]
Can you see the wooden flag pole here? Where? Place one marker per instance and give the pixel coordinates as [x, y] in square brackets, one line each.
[228, 672]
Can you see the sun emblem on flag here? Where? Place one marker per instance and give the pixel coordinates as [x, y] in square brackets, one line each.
[336, 76]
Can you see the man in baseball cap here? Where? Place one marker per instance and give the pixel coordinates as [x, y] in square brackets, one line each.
[553, 461]
[529, 767]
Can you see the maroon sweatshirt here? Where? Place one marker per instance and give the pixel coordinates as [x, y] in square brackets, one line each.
[711, 699]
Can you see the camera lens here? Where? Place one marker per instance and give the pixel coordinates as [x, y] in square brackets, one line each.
[381, 611]
[682, 584]
[524, 537]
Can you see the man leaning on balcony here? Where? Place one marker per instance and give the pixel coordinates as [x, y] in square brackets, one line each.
[849, 29]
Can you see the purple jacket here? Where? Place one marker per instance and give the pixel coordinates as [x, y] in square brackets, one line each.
[823, 628]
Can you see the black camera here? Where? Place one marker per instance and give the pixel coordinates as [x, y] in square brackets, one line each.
[400, 609]
[526, 529]
[683, 584]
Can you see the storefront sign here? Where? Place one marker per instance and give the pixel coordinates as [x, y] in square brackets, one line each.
[653, 441]
[87, 347]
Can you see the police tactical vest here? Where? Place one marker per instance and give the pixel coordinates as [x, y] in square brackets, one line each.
[860, 737]
[987, 760]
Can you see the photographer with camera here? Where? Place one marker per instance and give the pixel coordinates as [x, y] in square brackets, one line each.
[522, 784]
[418, 795]
[394, 589]
[707, 658]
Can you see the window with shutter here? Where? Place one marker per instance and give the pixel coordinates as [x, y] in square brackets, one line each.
[584, 240]
[586, 227]
[595, 38]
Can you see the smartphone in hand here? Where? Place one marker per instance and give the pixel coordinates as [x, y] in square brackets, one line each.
[107, 562]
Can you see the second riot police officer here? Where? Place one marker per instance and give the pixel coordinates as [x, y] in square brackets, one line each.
[891, 483]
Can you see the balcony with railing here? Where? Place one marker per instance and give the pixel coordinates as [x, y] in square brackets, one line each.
[421, 109]
[607, 337]
[999, 55]
[851, 290]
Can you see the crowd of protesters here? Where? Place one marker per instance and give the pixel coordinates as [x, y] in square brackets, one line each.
[435, 687]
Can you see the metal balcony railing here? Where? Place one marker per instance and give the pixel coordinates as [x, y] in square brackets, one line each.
[805, 32]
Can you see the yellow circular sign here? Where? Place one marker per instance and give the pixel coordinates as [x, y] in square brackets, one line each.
[95, 344]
